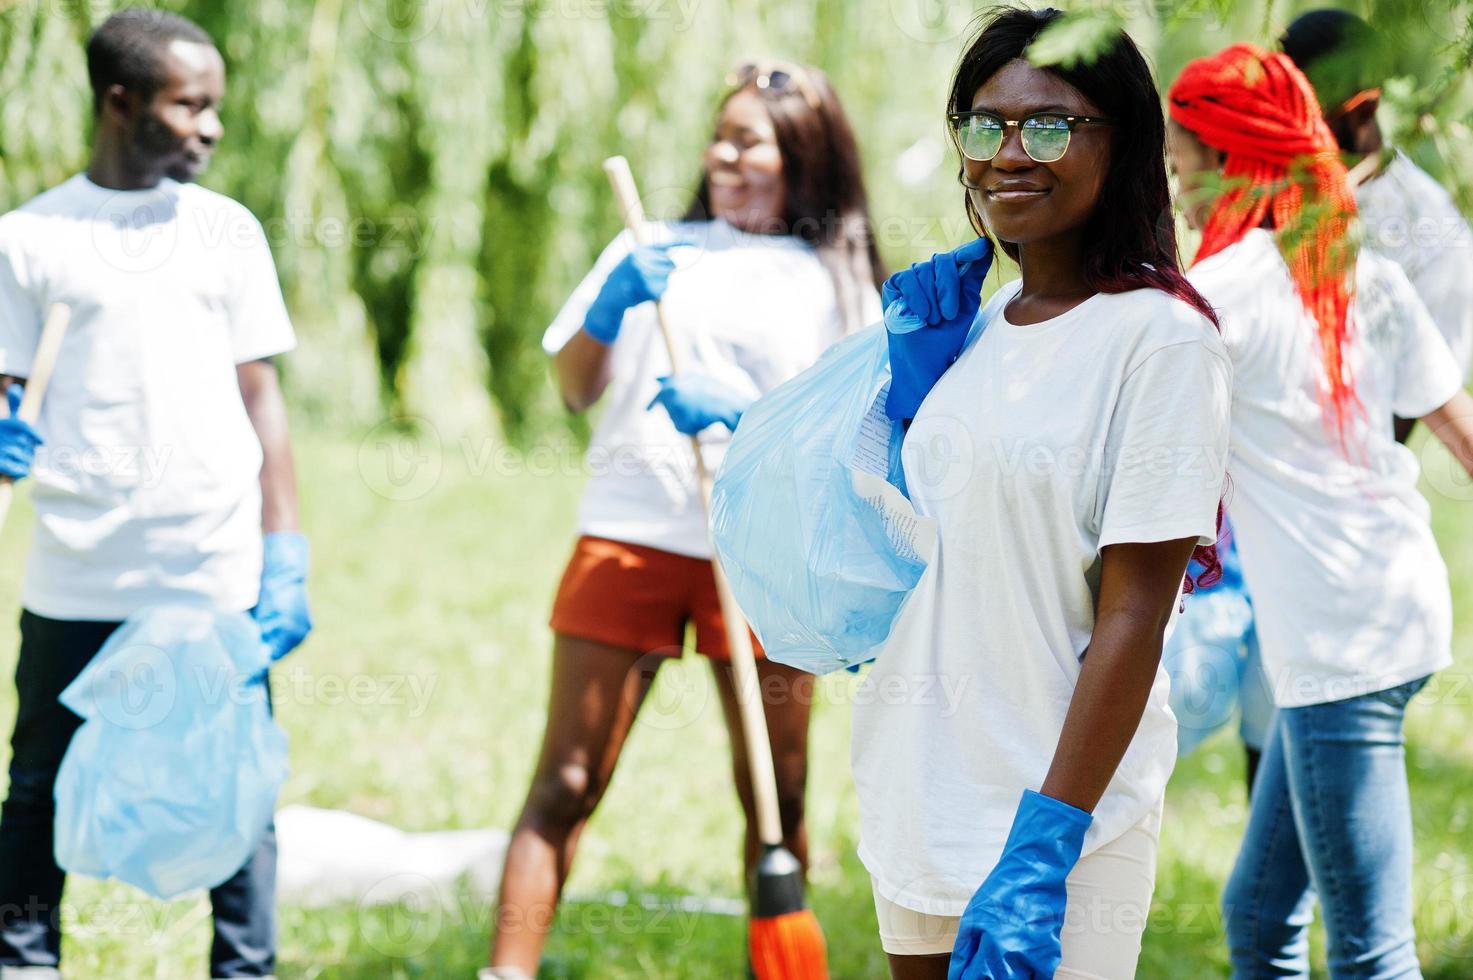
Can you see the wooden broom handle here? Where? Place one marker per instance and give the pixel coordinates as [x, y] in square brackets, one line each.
[52, 334]
[738, 639]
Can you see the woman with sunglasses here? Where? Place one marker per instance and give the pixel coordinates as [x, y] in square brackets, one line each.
[774, 261]
[1350, 593]
[1072, 459]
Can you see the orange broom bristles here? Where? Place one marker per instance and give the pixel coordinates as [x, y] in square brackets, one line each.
[788, 947]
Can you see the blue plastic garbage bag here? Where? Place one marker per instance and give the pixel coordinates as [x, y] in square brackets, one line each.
[808, 516]
[172, 778]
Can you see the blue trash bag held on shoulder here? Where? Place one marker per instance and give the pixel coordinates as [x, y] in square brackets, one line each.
[808, 518]
[171, 781]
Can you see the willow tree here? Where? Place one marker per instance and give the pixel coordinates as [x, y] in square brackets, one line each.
[429, 169]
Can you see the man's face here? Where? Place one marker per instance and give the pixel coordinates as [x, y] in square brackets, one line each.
[176, 131]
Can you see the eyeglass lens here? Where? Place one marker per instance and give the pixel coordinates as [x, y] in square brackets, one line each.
[1045, 138]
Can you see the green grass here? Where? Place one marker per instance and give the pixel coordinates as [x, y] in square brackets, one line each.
[448, 588]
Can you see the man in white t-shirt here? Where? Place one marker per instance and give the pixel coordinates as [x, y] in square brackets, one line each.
[1406, 215]
[164, 471]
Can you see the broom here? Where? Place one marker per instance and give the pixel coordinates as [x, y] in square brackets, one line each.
[52, 334]
[784, 941]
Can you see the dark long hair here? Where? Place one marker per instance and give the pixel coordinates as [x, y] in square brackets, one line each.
[1130, 239]
[826, 204]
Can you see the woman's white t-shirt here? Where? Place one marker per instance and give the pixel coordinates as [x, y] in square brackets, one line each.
[1042, 445]
[1349, 590]
[749, 310]
[1408, 217]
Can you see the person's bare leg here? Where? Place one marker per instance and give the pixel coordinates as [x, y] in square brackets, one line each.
[919, 967]
[596, 693]
[787, 695]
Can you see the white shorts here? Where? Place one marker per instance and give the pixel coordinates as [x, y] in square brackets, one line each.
[1109, 904]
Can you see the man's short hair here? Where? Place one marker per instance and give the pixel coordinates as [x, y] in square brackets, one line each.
[128, 50]
[1341, 54]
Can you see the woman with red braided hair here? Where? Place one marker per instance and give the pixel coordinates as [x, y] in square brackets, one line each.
[1349, 591]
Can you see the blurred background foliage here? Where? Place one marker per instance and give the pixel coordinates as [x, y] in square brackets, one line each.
[429, 169]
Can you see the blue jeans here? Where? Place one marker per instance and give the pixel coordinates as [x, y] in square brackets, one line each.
[1330, 817]
[52, 653]
[1212, 659]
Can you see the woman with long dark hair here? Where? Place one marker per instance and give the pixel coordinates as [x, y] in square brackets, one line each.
[1071, 456]
[1350, 594]
[774, 262]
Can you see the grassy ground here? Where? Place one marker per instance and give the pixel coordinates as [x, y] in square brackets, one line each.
[420, 699]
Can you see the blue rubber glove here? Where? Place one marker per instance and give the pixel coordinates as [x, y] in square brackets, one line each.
[640, 277]
[928, 310]
[1010, 930]
[695, 401]
[18, 441]
[282, 610]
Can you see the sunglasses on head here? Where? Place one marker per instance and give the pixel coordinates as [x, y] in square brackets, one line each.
[774, 77]
[1045, 135]
[1354, 102]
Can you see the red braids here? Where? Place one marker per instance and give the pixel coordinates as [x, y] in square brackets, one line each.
[1282, 160]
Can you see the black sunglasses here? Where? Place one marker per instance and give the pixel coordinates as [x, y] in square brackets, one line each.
[1045, 135]
[775, 77]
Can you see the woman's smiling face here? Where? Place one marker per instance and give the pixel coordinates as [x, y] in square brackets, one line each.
[744, 166]
[1023, 201]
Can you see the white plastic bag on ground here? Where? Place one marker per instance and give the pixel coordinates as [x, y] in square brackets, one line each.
[820, 546]
[327, 856]
[171, 781]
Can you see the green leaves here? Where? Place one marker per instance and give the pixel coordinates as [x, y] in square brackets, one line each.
[1075, 39]
[428, 170]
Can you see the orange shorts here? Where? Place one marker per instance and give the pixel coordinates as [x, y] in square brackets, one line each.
[640, 598]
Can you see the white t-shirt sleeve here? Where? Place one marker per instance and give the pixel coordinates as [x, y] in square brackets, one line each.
[1426, 374]
[1166, 448]
[569, 319]
[1445, 284]
[259, 324]
[20, 309]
